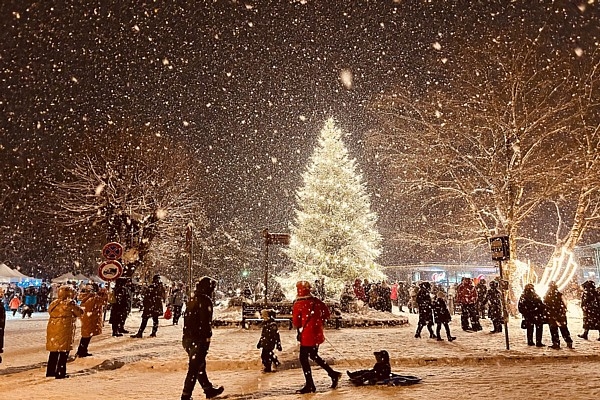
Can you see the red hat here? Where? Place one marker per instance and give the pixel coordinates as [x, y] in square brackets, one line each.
[303, 288]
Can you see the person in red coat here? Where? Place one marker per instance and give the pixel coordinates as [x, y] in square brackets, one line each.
[308, 316]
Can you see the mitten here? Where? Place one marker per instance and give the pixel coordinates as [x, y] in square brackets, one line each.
[279, 347]
[258, 345]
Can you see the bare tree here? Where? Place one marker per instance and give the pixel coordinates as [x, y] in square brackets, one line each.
[139, 189]
[509, 133]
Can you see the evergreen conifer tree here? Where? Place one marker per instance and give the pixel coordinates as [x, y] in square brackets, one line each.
[333, 236]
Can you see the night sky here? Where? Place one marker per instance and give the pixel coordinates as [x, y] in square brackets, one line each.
[248, 83]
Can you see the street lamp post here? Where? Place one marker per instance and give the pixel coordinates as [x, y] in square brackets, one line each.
[272, 238]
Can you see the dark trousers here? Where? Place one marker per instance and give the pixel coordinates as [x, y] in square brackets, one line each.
[145, 323]
[539, 331]
[196, 367]
[82, 350]
[176, 314]
[439, 329]
[57, 364]
[564, 331]
[268, 357]
[312, 352]
[469, 314]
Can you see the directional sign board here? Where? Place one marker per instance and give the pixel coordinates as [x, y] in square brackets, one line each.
[500, 247]
[110, 270]
[112, 251]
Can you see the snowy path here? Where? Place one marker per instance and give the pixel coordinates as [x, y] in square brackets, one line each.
[476, 366]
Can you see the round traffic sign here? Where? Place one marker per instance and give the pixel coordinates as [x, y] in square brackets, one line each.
[112, 251]
[110, 270]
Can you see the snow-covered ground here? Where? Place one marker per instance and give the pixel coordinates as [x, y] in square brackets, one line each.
[475, 366]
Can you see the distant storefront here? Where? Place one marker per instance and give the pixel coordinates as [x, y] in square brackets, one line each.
[443, 274]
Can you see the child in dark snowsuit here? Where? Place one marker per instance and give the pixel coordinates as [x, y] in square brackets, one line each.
[493, 298]
[442, 316]
[269, 339]
[380, 371]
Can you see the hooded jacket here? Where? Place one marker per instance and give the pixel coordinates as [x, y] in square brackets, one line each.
[197, 318]
[93, 312]
[64, 312]
[309, 314]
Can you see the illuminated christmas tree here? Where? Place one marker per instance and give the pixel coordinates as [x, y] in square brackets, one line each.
[333, 236]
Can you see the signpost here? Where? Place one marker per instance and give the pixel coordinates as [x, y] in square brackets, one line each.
[500, 247]
[272, 238]
[110, 270]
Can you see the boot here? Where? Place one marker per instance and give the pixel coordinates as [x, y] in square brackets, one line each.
[211, 392]
[584, 335]
[335, 378]
[307, 389]
[137, 335]
[154, 330]
[555, 346]
[439, 339]
[451, 338]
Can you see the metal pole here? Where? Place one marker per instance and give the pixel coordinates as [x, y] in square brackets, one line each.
[504, 308]
[191, 254]
[266, 267]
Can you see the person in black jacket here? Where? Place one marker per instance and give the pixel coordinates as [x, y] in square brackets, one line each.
[152, 302]
[380, 371]
[556, 312]
[481, 293]
[533, 311]
[2, 323]
[197, 331]
[590, 305]
[269, 339]
[493, 299]
[425, 310]
[119, 307]
[442, 316]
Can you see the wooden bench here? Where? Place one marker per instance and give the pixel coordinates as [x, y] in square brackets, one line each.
[252, 313]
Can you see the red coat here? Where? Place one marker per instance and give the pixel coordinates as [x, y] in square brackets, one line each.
[310, 313]
[466, 292]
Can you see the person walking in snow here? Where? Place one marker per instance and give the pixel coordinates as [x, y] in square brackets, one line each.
[556, 312]
[442, 316]
[308, 316]
[466, 296]
[269, 340]
[197, 333]
[14, 304]
[590, 305]
[92, 300]
[60, 332]
[425, 310]
[533, 311]
[493, 299]
[152, 302]
[176, 304]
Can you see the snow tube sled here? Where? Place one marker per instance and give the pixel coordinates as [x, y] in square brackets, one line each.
[393, 380]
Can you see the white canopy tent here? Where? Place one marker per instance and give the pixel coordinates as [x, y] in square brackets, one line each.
[10, 275]
[64, 278]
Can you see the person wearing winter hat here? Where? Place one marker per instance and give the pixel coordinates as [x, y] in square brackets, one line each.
[308, 316]
[2, 322]
[269, 340]
[442, 316]
[197, 332]
[153, 297]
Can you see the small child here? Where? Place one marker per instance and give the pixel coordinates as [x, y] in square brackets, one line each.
[380, 371]
[26, 311]
[14, 304]
[269, 339]
[442, 316]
